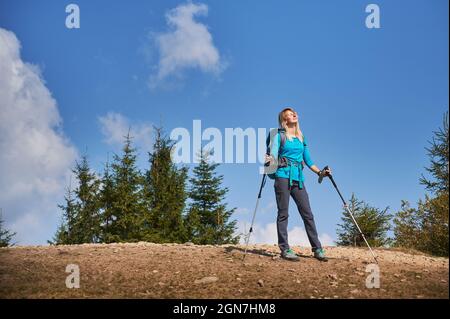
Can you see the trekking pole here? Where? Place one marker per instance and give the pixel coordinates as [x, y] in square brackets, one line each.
[348, 210]
[254, 214]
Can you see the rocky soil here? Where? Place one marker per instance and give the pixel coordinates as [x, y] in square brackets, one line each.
[147, 270]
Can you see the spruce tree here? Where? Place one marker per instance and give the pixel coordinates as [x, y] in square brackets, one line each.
[165, 192]
[66, 232]
[87, 220]
[408, 226]
[373, 222]
[106, 199]
[438, 153]
[5, 234]
[426, 227]
[80, 221]
[436, 217]
[128, 209]
[207, 219]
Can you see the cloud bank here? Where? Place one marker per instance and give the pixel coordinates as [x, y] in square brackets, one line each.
[35, 156]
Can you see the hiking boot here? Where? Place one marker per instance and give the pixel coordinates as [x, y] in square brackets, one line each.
[289, 255]
[319, 254]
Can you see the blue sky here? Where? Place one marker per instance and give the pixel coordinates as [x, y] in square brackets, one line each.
[368, 99]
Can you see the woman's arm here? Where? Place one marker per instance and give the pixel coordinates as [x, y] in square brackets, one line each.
[307, 157]
[315, 169]
[308, 160]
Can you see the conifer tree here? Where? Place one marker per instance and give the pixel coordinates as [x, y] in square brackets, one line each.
[426, 227]
[106, 199]
[5, 234]
[374, 223]
[408, 226]
[207, 220]
[87, 219]
[80, 221]
[128, 209]
[165, 192]
[438, 154]
[65, 234]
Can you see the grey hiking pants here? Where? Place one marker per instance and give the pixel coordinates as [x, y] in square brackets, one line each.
[282, 194]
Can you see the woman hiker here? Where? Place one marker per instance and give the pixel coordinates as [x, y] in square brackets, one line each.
[289, 181]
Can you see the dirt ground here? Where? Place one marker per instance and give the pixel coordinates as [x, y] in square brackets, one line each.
[147, 270]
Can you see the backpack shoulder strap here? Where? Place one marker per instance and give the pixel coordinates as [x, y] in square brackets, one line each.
[282, 133]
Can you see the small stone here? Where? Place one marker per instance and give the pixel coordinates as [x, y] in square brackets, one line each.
[261, 283]
[291, 270]
[397, 275]
[155, 271]
[351, 285]
[238, 279]
[206, 280]
[335, 296]
[298, 281]
[355, 291]
[444, 281]
[418, 277]
[332, 276]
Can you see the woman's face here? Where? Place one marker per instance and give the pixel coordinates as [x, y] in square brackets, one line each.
[290, 117]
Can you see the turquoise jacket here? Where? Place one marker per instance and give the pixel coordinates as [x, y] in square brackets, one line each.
[296, 152]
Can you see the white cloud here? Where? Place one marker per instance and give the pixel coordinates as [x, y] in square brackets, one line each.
[267, 234]
[35, 156]
[115, 126]
[187, 44]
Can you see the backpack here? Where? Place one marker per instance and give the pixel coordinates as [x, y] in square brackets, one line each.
[269, 140]
[281, 162]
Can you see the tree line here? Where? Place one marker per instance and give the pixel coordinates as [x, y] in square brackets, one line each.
[158, 205]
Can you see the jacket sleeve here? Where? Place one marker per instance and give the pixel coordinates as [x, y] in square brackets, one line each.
[306, 155]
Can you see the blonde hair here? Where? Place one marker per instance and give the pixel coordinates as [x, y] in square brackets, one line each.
[282, 124]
